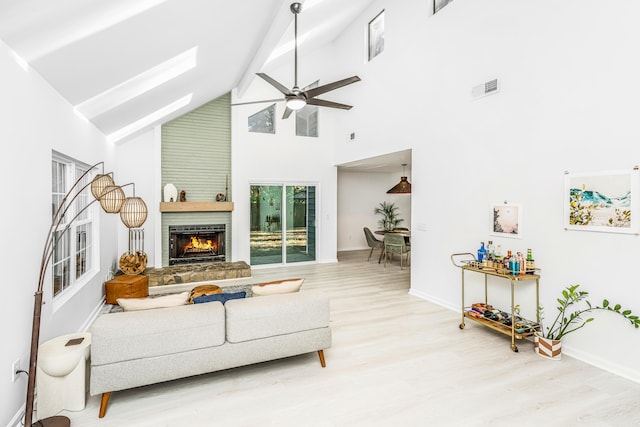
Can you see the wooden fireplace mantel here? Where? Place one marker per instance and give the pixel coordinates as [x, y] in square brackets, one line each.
[196, 206]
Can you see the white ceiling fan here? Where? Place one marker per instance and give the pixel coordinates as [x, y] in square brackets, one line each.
[296, 98]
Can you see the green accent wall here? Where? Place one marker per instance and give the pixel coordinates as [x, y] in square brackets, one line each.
[196, 158]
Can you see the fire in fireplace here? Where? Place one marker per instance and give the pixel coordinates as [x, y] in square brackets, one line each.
[196, 243]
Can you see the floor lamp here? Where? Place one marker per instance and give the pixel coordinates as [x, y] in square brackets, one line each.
[111, 198]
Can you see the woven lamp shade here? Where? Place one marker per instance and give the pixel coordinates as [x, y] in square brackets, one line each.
[403, 187]
[99, 183]
[133, 212]
[112, 198]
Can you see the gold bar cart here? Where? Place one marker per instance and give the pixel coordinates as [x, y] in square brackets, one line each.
[467, 261]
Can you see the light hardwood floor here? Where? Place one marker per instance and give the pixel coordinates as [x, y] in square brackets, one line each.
[396, 360]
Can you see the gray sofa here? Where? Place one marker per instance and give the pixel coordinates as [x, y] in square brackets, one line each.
[137, 348]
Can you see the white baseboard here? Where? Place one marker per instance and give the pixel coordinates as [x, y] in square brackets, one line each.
[430, 298]
[17, 419]
[566, 350]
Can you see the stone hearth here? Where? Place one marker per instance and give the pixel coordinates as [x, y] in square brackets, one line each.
[188, 273]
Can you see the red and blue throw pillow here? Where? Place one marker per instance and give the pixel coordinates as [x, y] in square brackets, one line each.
[219, 297]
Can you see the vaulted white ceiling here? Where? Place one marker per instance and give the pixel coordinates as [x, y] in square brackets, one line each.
[128, 65]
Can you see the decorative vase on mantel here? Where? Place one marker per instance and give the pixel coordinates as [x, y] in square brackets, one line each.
[548, 348]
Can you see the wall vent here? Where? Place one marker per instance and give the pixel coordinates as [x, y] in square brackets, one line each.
[487, 88]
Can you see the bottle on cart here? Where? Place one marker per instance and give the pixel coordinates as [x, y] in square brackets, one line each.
[481, 252]
[514, 265]
[491, 250]
[506, 261]
[498, 255]
[531, 264]
[523, 264]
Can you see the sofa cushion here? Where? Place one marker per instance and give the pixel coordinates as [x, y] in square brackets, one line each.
[255, 318]
[130, 335]
[219, 297]
[171, 300]
[277, 287]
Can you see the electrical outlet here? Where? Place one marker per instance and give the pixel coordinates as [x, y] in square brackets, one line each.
[15, 367]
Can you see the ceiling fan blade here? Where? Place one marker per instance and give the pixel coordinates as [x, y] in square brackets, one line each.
[324, 103]
[287, 113]
[330, 86]
[272, 82]
[258, 102]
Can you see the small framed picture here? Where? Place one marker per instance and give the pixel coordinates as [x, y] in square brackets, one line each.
[506, 220]
[602, 201]
[376, 35]
[439, 4]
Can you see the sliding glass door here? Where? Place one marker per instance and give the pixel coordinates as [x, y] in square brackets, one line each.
[283, 221]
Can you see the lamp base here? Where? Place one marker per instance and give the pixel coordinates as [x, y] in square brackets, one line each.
[57, 421]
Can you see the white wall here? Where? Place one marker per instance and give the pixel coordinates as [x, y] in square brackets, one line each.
[283, 158]
[36, 119]
[139, 162]
[358, 195]
[569, 90]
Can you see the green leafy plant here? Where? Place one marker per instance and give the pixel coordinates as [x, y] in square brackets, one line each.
[571, 307]
[390, 218]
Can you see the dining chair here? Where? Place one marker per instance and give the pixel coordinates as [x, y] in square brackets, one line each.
[394, 244]
[371, 241]
[407, 239]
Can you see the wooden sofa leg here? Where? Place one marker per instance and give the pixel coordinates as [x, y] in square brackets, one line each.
[321, 355]
[103, 404]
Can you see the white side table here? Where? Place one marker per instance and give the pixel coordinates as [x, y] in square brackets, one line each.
[61, 374]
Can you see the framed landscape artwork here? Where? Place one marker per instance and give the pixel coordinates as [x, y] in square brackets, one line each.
[602, 201]
[507, 220]
[376, 35]
[439, 4]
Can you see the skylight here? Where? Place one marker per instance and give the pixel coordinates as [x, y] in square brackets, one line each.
[150, 119]
[139, 84]
[67, 30]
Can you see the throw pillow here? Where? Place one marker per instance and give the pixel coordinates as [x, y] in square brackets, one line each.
[172, 300]
[201, 290]
[277, 287]
[219, 297]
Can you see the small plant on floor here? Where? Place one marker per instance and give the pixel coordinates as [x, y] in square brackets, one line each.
[389, 212]
[571, 307]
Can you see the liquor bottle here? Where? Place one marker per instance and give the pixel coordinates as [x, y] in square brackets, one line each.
[491, 250]
[498, 254]
[531, 264]
[507, 259]
[523, 264]
[514, 265]
[481, 252]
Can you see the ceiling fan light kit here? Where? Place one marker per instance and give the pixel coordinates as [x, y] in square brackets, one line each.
[294, 98]
[296, 102]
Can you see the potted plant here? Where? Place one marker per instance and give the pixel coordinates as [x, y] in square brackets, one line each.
[389, 212]
[571, 307]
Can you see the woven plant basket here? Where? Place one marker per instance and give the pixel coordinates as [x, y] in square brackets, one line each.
[547, 348]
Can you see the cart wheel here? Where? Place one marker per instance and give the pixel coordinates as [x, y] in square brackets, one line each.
[461, 326]
[514, 348]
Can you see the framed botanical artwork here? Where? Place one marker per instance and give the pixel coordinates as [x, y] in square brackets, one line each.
[376, 35]
[506, 220]
[439, 4]
[602, 201]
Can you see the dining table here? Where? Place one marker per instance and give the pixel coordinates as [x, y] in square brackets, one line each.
[405, 233]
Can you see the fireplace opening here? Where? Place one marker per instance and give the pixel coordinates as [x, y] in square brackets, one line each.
[196, 243]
